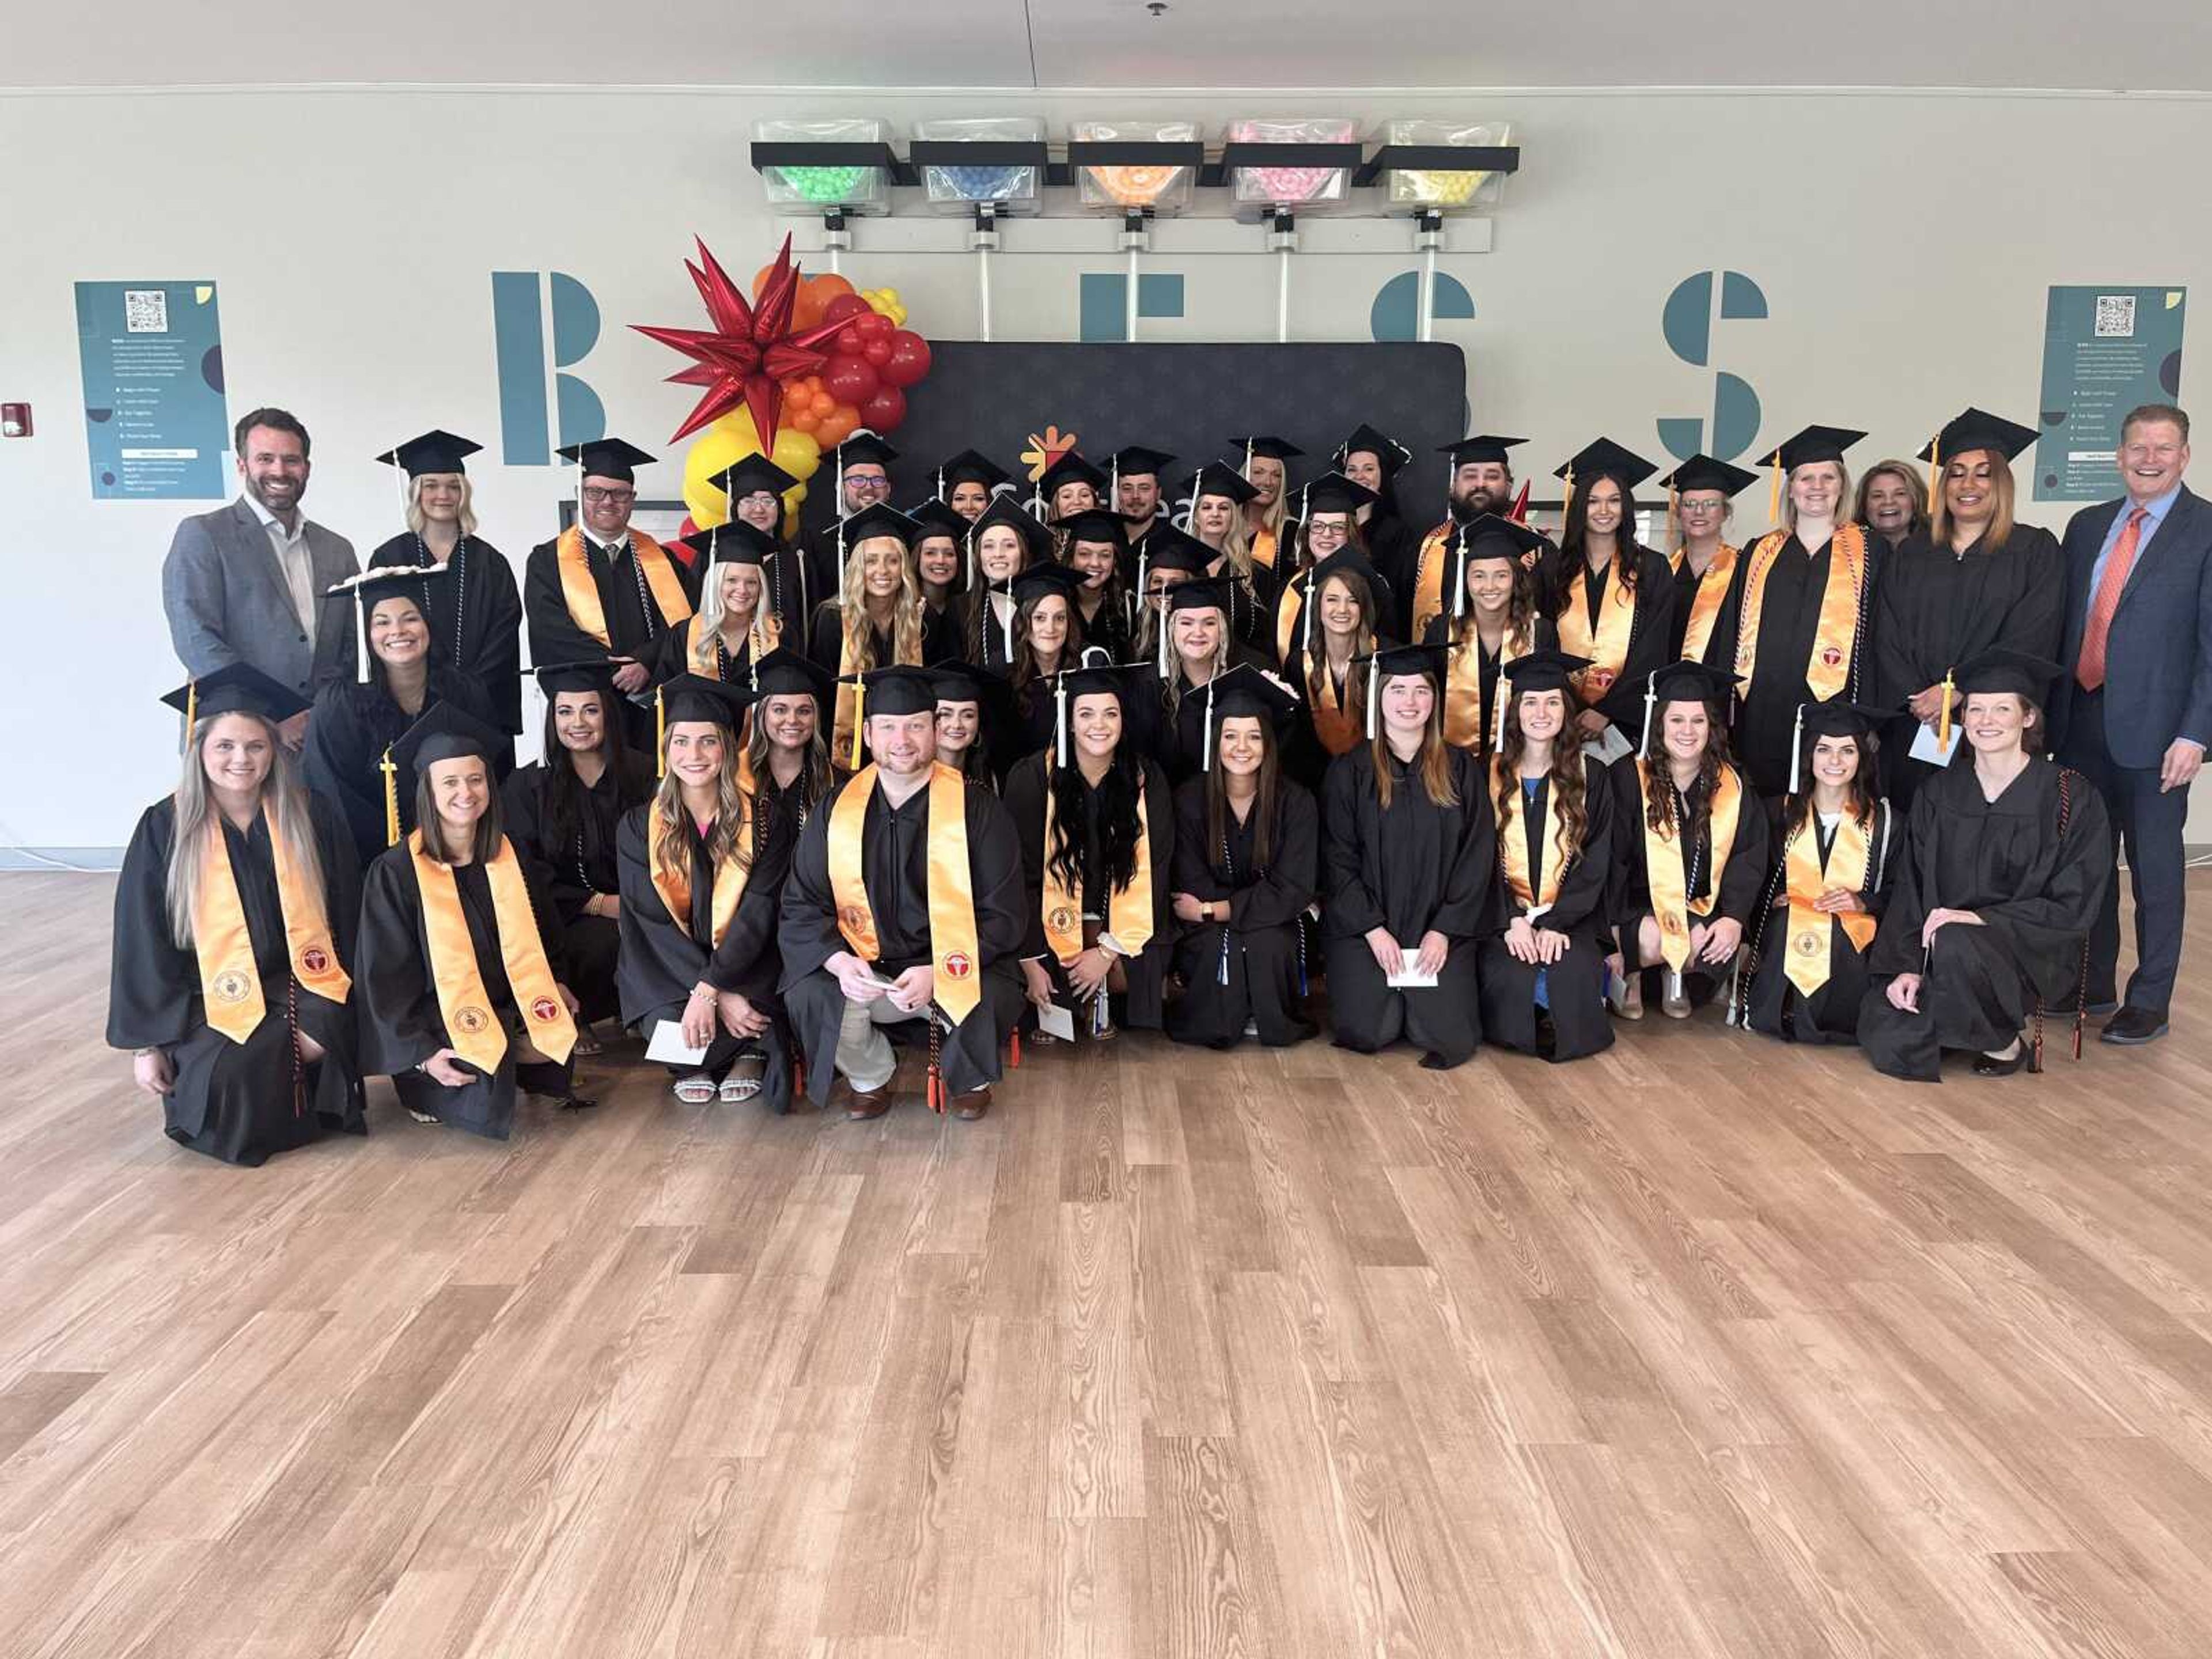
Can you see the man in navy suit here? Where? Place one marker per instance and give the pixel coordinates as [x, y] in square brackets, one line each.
[2134, 711]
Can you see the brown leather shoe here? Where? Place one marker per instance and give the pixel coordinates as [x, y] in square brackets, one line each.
[866, 1103]
[973, 1105]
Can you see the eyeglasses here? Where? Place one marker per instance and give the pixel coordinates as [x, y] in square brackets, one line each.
[594, 494]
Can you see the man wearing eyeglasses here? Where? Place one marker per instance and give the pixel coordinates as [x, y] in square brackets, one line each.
[603, 590]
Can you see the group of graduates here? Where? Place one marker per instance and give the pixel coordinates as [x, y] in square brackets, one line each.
[1121, 754]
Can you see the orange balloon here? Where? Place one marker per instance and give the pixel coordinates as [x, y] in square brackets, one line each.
[820, 401]
[805, 420]
[759, 279]
[806, 307]
[837, 425]
[828, 285]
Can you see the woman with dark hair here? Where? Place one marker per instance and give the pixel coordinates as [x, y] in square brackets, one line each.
[1891, 502]
[973, 728]
[702, 868]
[2008, 855]
[234, 917]
[1839, 850]
[1407, 870]
[737, 620]
[1608, 594]
[1328, 524]
[1691, 854]
[1047, 638]
[1001, 545]
[787, 759]
[1493, 620]
[967, 483]
[463, 985]
[1978, 582]
[1372, 460]
[1543, 973]
[351, 733]
[474, 617]
[1699, 492]
[1247, 865]
[1094, 549]
[1335, 630]
[939, 550]
[1097, 832]
[561, 813]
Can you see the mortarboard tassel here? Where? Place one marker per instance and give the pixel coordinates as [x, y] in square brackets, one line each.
[1943, 717]
[1674, 514]
[1650, 701]
[1498, 713]
[1209, 743]
[1372, 671]
[660, 735]
[860, 716]
[1567, 502]
[1162, 622]
[1774, 493]
[1459, 574]
[1798, 753]
[391, 798]
[1936, 503]
[361, 636]
[1059, 716]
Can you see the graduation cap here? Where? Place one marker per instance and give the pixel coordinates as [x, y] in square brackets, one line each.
[1070, 468]
[1090, 679]
[1334, 493]
[1483, 447]
[1275, 449]
[1485, 537]
[695, 697]
[1136, 461]
[1705, 472]
[1544, 670]
[734, 543]
[1005, 510]
[1976, 428]
[934, 518]
[1999, 669]
[237, 688]
[900, 689]
[1683, 682]
[751, 477]
[865, 447]
[1604, 458]
[1095, 524]
[1218, 478]
[606, 457]
[1838, 717]
[1239, 691]
[962, 682]
[446, 731]
[1037, 580]
[1814, 443]
[1366, 440]
[381, 582]
[879, 519]
[784, 672]
[433, 452]
[1170, 549]
[555, 678]
[1393, 661]
[1201, 594]
[969, 467]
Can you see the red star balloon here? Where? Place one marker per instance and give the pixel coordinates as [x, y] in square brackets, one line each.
[749, 350]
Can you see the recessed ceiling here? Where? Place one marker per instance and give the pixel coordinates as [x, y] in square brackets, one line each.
[1308, 45]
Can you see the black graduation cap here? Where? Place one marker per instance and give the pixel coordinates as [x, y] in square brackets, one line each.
[750, 476]
[1683, 682]
[237, 689]
[1604, 458]
[734, 543]
[1005, 510]
[1976, 428]
[1814, 443]
[1999, 669]
[969, 467]
[695, 697]
[1095, 524]
[1240, 690]
[1136, 461]
[864, 446]
[962, 682]
[1482, 446]
[1365, 439]
[607, 458]
[1334, 493]
[934, 518]
[1345, 561]
[1705, 472]
[784, 672]
[1487, 536]
[1035, 581]
[1544, 670]
[1201, 594]
[555, 679]
[1170, 549]
[1070, 468]
[879, 519]
[900, 689]
[1275, 449]
[1218, 478]
[448, 732]
[433, 452]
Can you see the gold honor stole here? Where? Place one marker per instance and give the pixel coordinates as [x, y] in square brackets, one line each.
[1429, 578]
[1332, 715]
[1706, 603]
[764, 636]
[1128, 909]
[579, 592]
[1810, 930]
[674, 884]
[1664, 870]
[463, 1002]
[230, 984]
[1263, 547]
[1286, 615]
[1607, 645]
[951, 895]
[1513, 848]
[1829, 669]
[1463, 726]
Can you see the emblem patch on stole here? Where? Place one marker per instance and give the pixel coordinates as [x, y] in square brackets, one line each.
[232, 986]
[545, 1011]
[956, 966]
[472, 1020]
[314, 959]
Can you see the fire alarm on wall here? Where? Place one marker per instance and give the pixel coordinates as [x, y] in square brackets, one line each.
[14, 420]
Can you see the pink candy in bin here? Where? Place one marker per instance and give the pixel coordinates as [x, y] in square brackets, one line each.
[1292, 185]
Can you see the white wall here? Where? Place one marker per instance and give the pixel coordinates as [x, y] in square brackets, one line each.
[1904, 244]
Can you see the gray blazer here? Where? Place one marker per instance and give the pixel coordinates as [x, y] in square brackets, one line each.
[228, 602]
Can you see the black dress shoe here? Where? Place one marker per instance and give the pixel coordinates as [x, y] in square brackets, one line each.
[2103, 1010]
[2133, 1025]
[1991, 1066]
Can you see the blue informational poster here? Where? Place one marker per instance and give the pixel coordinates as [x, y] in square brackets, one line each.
[2105, 350]
[154, 416]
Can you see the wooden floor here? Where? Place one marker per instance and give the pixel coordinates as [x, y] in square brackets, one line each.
[1704, 1346]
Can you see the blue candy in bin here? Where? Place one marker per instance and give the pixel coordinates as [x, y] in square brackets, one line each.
[982, 184]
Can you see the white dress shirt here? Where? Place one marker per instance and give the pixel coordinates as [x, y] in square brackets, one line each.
[292, 558]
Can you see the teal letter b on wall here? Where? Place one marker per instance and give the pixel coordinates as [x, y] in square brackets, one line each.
[519, 302]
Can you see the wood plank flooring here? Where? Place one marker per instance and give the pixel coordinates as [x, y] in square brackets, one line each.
[1706, 1347]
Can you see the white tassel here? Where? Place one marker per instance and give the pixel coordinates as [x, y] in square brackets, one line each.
[1797, 752]
[1309, 605]
[1459, 579]
[1209, 723]
[1373, 704]
[361, 636]
[1166, 619]
[1650, 700]
[1060, 720]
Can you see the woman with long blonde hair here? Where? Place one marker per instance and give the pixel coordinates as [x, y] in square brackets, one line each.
[1266, 468]
[1408, 857]
[736, 619]
[1213, 501]
[703, 869]
[234, 921]
[476, 617]
[1200, 651]
[876, 621]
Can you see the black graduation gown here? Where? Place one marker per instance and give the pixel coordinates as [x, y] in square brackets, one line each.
[796, 802]
[661, 962]
[635, 626]
[1146, 971]
[573, 873]
[894, 869]
[1650, 629]
[475, 612]
[1773, 1004]
[2036, 889]
[825, 639]
[233, 1101]
[1938, 608]
[1306, 758]
[1383, 623]
[401, 1024]
[1393, 547]
[1109, 630]
[1546, 634]
[1789, 619]
[1416, 868]
[1741, 881]
[673, 656]
[1250, 968]
[351, 727]
[1687, 582]
[1574, 985]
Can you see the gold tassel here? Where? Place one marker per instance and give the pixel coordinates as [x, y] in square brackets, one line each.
[1943, 716]
[660, 734]
[391, 798]
[1674, 518]
[1567, 505]
[1774, 493]
[1934, 477]
[860, 703]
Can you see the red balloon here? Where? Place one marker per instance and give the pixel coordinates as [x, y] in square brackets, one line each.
[844, 306]
[848, 344]
[874, 326]
[851, 379]
[876, 351]
[884, 412]
[909, 359]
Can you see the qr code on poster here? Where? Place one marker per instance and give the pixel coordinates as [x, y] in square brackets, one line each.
[146, 311]
[2115, 316]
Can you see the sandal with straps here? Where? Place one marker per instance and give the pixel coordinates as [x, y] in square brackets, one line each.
[744, 1081]
[696, 1089]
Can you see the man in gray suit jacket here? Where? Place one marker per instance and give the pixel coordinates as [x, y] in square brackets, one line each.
[244, 583]
[2134, 709]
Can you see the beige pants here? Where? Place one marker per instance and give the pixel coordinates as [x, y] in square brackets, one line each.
[864, 1053]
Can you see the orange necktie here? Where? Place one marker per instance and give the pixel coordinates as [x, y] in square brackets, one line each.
[2106, 599]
